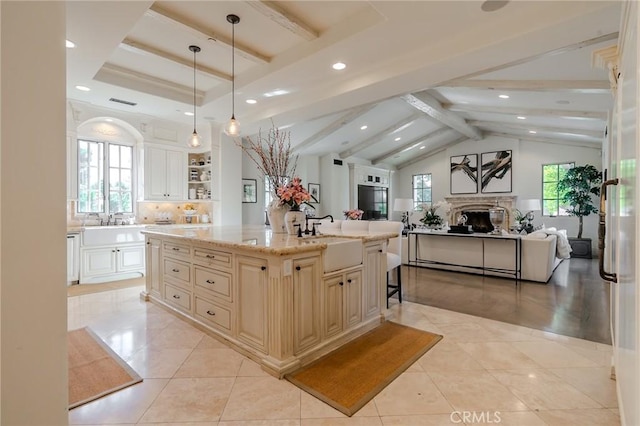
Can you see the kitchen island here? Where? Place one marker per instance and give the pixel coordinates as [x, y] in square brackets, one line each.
[281, 300]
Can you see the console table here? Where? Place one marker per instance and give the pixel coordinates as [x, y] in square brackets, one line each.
[476, 253]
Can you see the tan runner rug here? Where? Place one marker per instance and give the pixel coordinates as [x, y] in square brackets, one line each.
[350, 376]
[94, 369]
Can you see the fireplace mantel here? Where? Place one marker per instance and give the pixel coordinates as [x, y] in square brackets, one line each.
[483, 203]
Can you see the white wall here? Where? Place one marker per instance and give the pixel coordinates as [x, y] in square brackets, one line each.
[334, 186]
[33, 355]
[528, 158]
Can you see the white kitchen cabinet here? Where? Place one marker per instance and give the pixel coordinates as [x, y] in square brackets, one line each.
[164, 174]
[375, 262]
[342, 301]
[99, 264]
[252, 319]
[307, 273]
[154, 266]
[73, 258]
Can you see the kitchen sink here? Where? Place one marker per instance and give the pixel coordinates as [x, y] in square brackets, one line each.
[110, 235]
[340, 252]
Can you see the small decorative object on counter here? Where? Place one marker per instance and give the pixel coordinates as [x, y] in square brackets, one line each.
[202, 161]
[204, 176]
[353, 214]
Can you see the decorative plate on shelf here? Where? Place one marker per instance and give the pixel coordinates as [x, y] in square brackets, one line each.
[190, 212]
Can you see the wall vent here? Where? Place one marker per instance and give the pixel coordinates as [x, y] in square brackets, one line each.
[337, 162]
[120, 101]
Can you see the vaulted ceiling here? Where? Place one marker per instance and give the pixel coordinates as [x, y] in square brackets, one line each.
[420, 76]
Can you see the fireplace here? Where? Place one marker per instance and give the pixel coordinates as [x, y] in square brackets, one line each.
[477, 210]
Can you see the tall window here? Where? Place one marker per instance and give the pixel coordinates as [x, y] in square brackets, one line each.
[100, 174]
[421, 189]
[552, 204]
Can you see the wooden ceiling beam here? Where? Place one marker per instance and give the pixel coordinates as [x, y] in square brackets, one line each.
[333, 127]
[146, 49]
[424, 138]
[284, 19]
[379, 136]
[429, 105]
[432, 152]
[571, 86]
[201, 33]
[527, 127]
[547, 139]
[531, 112]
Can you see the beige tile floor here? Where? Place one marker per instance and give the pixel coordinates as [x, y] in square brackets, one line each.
[482, 372]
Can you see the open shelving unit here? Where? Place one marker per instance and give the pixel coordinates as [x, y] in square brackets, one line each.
[199, 164]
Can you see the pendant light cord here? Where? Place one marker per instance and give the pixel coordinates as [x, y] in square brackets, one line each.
[233, 71]
[194, 90]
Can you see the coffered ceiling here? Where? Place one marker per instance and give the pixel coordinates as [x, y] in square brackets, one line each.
[420, 75]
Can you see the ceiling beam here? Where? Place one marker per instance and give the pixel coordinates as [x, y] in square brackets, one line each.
[549, 140]
[527, 127]
[424, 138]
[201, 33]
[432, 152]
[333, 127]
[138, 47]
[587, 115]
[379, 136]
[572, 86]
[429, 105]
[284, 19]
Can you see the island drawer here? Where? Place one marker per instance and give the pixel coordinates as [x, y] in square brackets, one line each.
[172, 249]
[212, 257]
[214, 314]
[177, 297]
[177, 270]
[216, 282]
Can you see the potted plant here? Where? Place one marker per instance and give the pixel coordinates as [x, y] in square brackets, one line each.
[577, 188]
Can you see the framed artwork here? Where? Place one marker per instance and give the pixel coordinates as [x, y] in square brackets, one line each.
[249, 191]
[496, 171]
[314, 190]
[464, 174]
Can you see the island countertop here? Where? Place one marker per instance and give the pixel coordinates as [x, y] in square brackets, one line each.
[259, 238]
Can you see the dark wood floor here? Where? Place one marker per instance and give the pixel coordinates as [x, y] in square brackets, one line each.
[575, 301]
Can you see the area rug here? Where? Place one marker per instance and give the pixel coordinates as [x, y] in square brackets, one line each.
[350, 376]
[94, 369]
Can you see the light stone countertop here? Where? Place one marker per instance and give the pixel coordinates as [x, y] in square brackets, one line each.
[258, 238]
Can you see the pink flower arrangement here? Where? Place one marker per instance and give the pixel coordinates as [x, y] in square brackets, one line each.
[353, 214]
[293, 194]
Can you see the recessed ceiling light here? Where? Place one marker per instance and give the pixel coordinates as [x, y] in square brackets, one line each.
[277, 92]
[532, 132]
[189, 113]
[503, 96]
[83, 88]
[70, 44]
[363, 127]
[493, 5]
[251, 101]
[422, 147]
[397, 139]
[344, 142]
[521, 117]
[108, 119]
[563, 102]
[339, 66]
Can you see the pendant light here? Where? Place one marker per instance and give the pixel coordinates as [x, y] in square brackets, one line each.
[233, 126]
[194, 140]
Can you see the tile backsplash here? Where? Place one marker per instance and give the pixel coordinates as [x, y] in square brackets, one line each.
[147, 212]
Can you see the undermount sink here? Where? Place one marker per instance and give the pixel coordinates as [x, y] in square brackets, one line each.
[340, 252]
[109, 235]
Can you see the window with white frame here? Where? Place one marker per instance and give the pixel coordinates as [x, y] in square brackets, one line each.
[421, 189]
[552, 204]
[105, 177]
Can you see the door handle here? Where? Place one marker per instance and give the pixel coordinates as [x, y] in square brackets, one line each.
[602, 231]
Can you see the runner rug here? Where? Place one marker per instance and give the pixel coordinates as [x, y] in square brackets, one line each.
[353, 374]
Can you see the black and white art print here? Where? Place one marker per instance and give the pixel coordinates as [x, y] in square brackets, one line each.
[464, 174]
[496, 171]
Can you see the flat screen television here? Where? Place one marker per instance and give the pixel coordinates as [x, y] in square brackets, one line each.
[372, 200]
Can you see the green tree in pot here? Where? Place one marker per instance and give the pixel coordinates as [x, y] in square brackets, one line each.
[577, 188]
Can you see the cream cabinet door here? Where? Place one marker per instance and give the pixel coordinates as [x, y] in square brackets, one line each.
[175, 175]
[306, 303]
[374, 278]
[252, 321]
[130, 258]
[98, 261]
[154, 267]
[164, 174]
[352, 299]
[333, 306]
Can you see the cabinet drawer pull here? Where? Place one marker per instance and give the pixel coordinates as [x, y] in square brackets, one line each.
[210, 282]
[210, 256]
[349, 281]
[341, 283]
[177, 249]
[175, 270]
[263, 268]
[211, 313]
[380, 251]
[298, 268]
[176, 296]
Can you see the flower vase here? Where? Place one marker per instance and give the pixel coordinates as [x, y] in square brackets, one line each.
[275, 213]
[293, 218]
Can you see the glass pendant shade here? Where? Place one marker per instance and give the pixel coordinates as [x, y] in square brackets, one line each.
[232, 128]
[194, 140]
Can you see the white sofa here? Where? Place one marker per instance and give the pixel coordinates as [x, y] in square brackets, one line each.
[539, 255]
